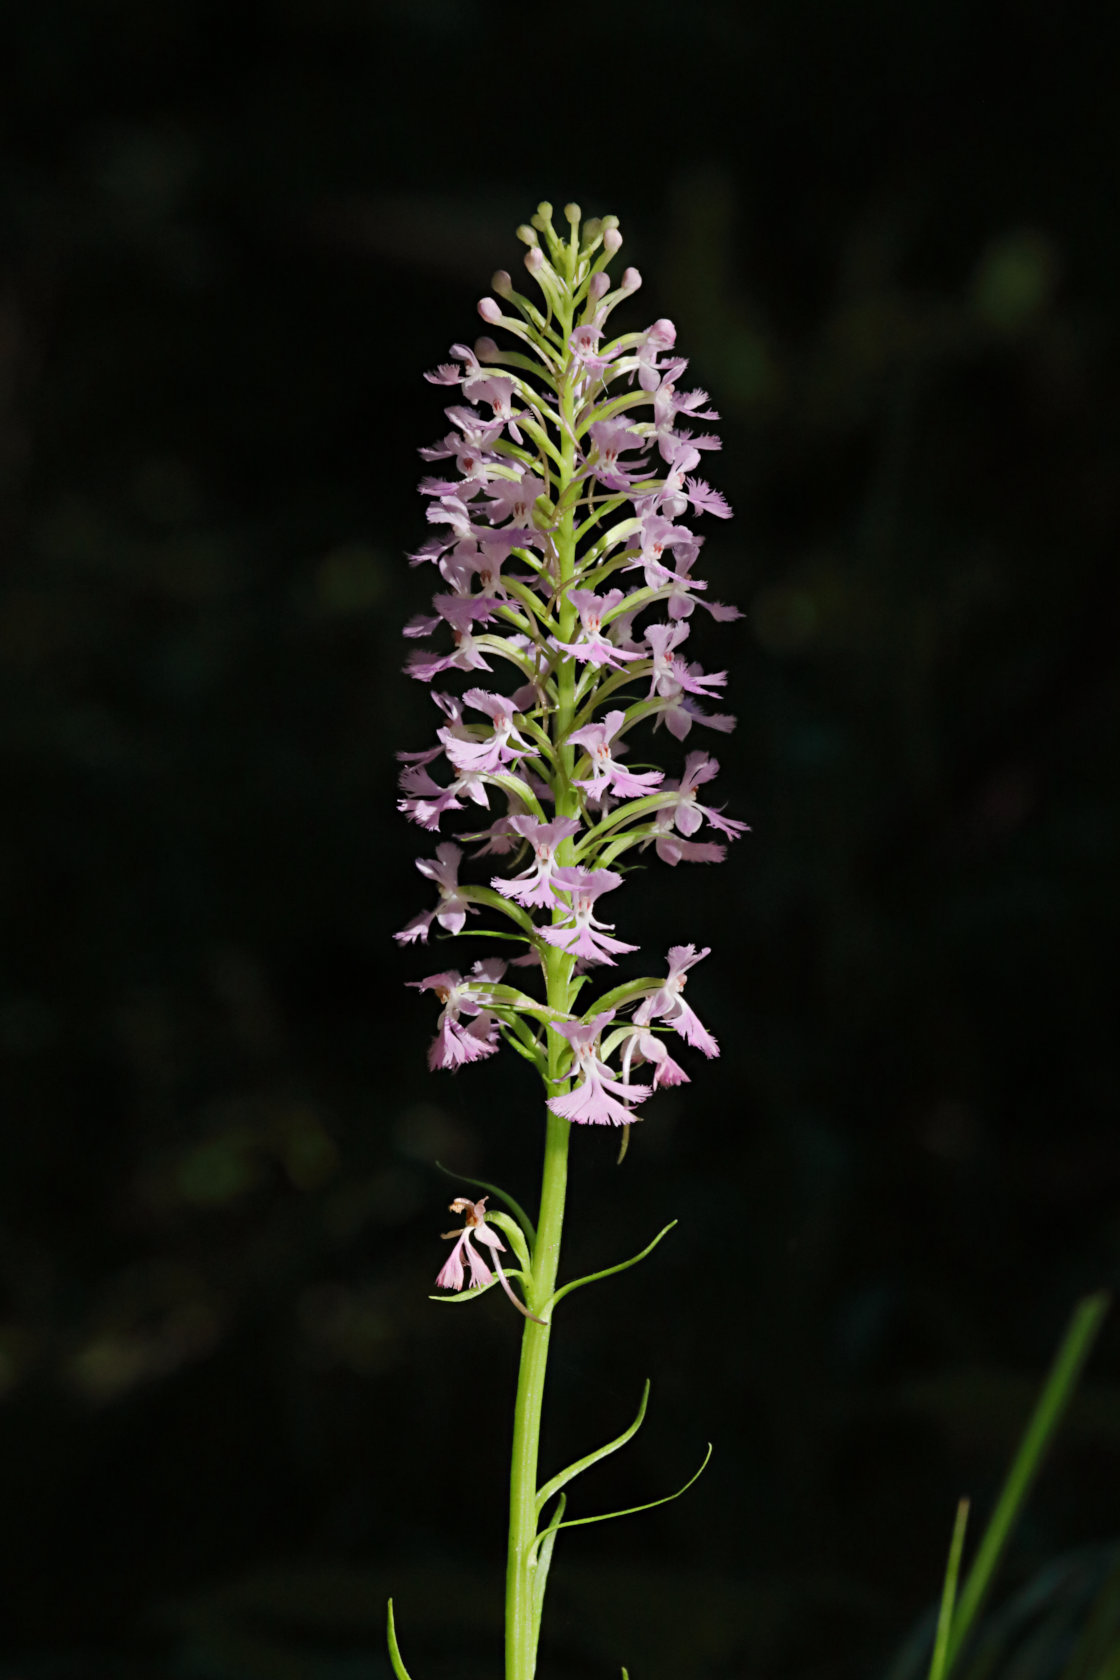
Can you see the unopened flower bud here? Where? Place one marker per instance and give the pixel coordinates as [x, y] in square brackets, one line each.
[600, 286]
[534, 259]
[486, 350]
[630, 281]
[489, 310]
[542, 221]
[526, 234]
[612, 239]
[502, 283]
[592, 229]
[572, 214]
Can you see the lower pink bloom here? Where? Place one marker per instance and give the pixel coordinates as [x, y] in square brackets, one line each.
[452, 1274]
[464, 1255]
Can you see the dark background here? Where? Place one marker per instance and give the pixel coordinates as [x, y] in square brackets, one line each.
[231, 1421]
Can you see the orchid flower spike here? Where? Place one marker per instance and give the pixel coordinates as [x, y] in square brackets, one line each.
[565, 528]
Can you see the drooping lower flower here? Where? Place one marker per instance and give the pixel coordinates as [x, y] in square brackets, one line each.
[464, 1256]
[452, 1273]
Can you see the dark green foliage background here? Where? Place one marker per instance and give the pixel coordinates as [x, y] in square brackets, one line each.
[231, 239]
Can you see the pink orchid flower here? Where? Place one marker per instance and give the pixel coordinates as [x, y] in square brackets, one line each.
[670, 676]
[534, 887]
[667, 1004]
[465, 1255]
[688, 813]
[596, 1099]
[581, 935]
[453, 909]
[612, 439]
[455, 1044]
[504, 746]
[607, 774]
[593, 647]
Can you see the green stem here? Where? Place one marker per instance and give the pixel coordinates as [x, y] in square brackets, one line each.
[523, 1604]
[521, 1616]
[1044, 1420]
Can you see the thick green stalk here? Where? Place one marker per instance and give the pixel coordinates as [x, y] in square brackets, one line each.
[521, 1620]
[522, 1607]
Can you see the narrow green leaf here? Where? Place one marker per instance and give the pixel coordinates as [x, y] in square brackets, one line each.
[514, 1021]
[949, 1595]
[623, 1266]
[610, 1042]
[461, 1295]
[632, 1510]
[495, 901]
[624, 813]
[1049, 1408]
[544, 1558]
[625, 842]
[395, 1657]
[633, 602]
[628, 992]
[520, 1001]
[482, 933]
[515, 1208]
[565, 1476]
[602, 693]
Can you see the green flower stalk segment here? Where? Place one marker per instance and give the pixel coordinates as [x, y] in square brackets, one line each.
[561, 501]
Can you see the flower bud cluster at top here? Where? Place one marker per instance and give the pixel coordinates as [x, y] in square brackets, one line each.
[559, 504]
